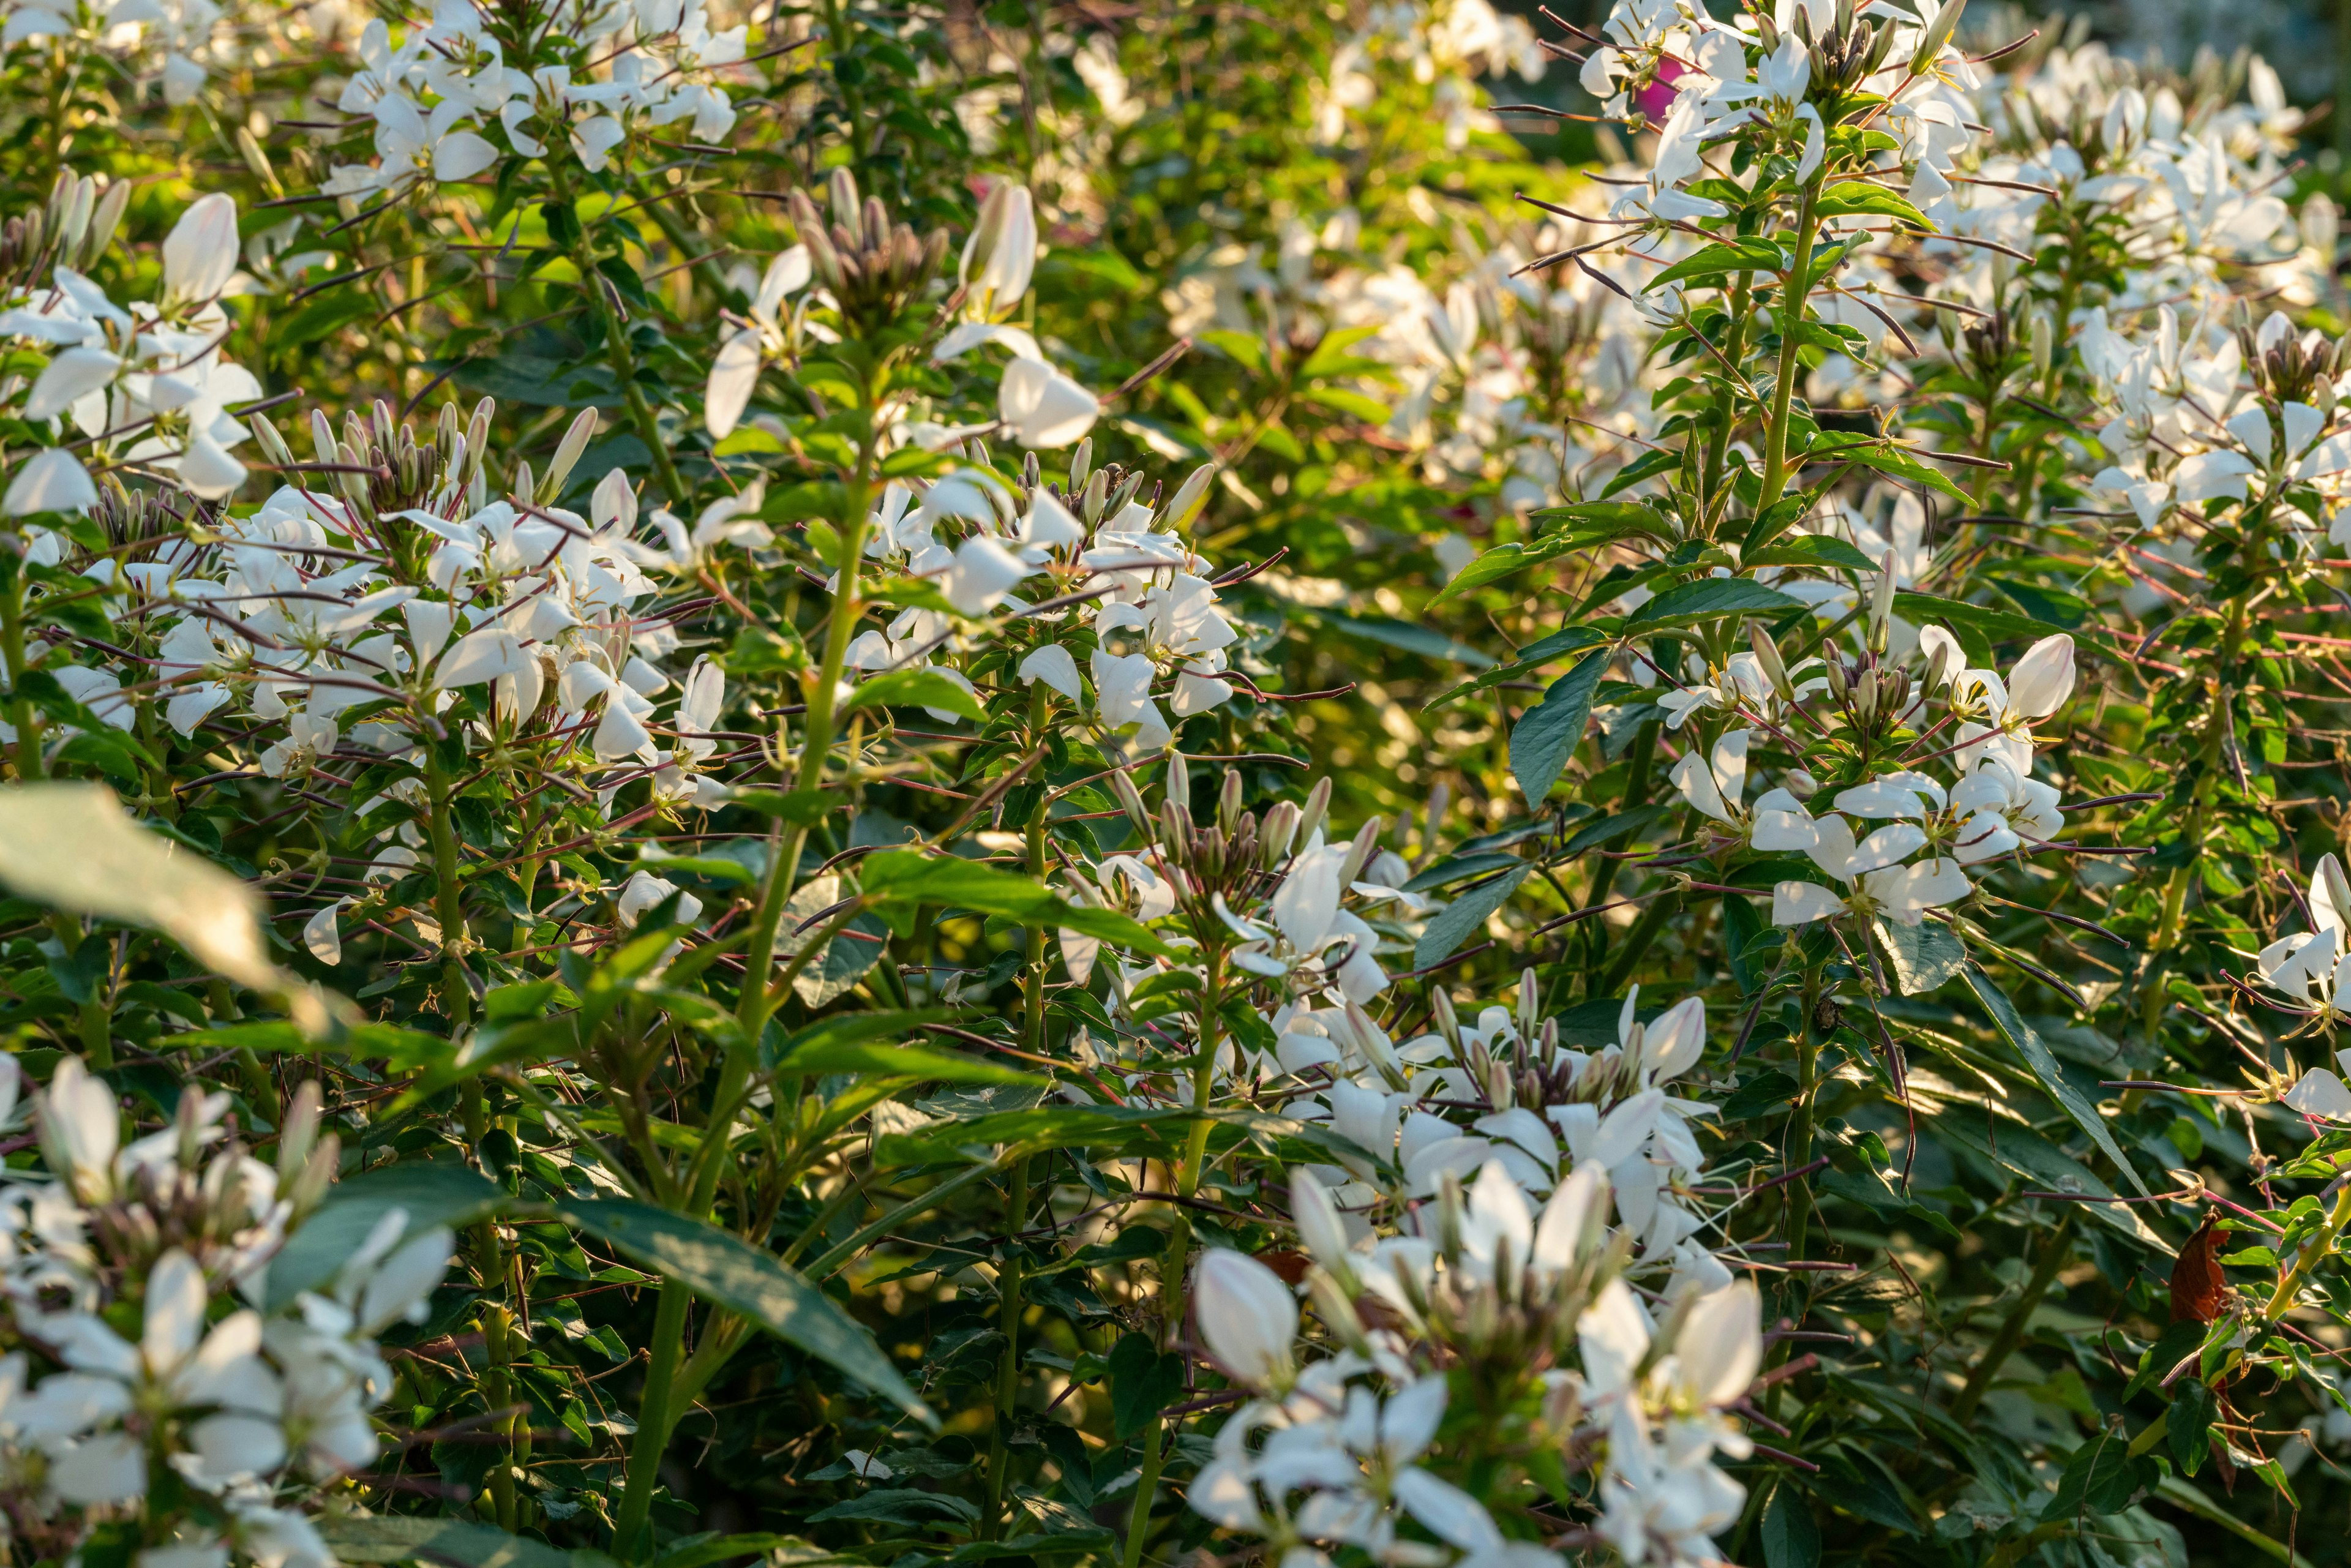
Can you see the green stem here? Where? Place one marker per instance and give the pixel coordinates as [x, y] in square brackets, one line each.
[1016, 1206]
[2053, 1253]
[1800, 1125]
[1792, 295]
[1179, 1256]
[497, 1379]
[449, 899]
[652, 1423]
[620, 354]
[29, 766]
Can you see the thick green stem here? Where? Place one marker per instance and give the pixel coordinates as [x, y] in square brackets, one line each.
[2053, 1253]
[1179, 1256]
[1792, 295]
[497, 1377]
[654, 1423]
[1799, 1124]
[449, 895]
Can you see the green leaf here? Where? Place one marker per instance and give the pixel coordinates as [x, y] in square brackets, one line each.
[900, 880]
[1895, 461]
[2045, 1166]
[2101, 1477]
[1859, 199]
[1723, 259]
[912, 688]
[1710, 598]
[1143, 1380]
[1547, 734]
[431, 1192]
[405, 1538]
[900, 1505]
[802, 808]
[780, 1550]
[1925, 954]
[2053, 606]
[1811, 550]
[1790, 1538]
[1452, 925]
[1507, 561]
[848, 1028]
[729, 1273]
[2189, 1425]
[1991, 625]
[899, 1061]
[2029, 1045]
[1424, 641]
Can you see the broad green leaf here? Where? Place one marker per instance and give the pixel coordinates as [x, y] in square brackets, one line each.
[2053, 606]
[1452, 925]
[779, 1551]
[1790, 1538]
[846, 1028]
[904, 1506]
[1541, 652]
[1925, 954]
[802, 808]
[1723, 259]
[2030, 1046]
[1996, 625]
[1895, 461]
[2044, 1167]
[72, 846]
[1859, 199]
[1810, 549]
[912, 688]
[1547, 734]
[2187, 1498]
[1506, 560]
[899, 1060]
[724, 1270]
[430, 1192]
[405, 1538]
[1710, 598]
[1424, 641]
[898, 880]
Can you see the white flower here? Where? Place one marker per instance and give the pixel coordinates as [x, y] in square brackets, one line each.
[1042, 407]
[1247, 1315]
[643, 890]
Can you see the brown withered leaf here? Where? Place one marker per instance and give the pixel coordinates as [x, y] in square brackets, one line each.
[2198, 1287]
[1289, 1265]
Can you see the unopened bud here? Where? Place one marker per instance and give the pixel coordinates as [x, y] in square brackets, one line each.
[1228, 801]
[568, 452]
[1131, 800]
[1881, 606]
[1310, 817]
[1448, 1023]
[1189, 496]
[1360, 852]
[1274, 835]
[1082, 462]
[273, 446]
[1799, 783]
[104, 221]
[1180, 779]
[1336, 1310]
[1530, 995]
[1095, 496]
[2044, 343]
[1767, 654]
[299, 1130]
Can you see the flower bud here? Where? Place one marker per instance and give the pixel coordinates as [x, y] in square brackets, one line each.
[1936, 37]
[1360, 852]
[1767, 654]
[103, 222]
[1002, 254]
[1881, 606]
[300, 1132]
[1337, 1310]
[1318, 801]
[273, 446]
[1799, 783]
[2044, 343]
[1082, 462]
[1179, 512]
[1178, 782]
[1095, 496]
[841, 188]
[1274, 837]
[568, 452]
[1131, 800]
[1530, 1002]
[1247, 1316]
[1448, 1023]
[1228, 801]
[1321, 1230]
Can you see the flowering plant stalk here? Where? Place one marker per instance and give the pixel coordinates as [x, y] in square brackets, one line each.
[933, 788]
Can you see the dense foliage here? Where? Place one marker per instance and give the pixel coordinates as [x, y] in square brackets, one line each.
[1075, 783]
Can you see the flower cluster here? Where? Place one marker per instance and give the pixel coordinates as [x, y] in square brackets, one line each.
[233, 1396]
